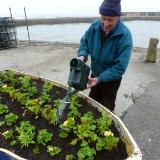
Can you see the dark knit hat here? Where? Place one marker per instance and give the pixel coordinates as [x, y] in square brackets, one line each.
[110, 8]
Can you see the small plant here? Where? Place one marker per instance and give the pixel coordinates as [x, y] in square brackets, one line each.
[27, 86]
[67, 126]
[87, 127]
[57, 103]
[9, 78]
[3, 109]
[86, 152]
[57, 93]
[32, 106]
[26, 139]
[107, 143]
[50, 114]
[36, 150]
[74, 107]
[47, 87]
[104, 122]
[26, 134]
[69, 157]
[44, 136]
[13, 143]
[25, 126]
[7, 134]
[45, 98]
[2, 123]
[11, 118]
[53, 151]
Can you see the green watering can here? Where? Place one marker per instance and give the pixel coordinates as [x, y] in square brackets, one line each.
[79, 72]
[78, 79]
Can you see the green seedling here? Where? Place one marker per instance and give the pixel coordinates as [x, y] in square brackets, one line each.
[44, 137]
[11, 118]
[53, 151]
[7, 134]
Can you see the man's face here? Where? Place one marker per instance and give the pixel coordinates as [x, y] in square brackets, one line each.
[108, 22]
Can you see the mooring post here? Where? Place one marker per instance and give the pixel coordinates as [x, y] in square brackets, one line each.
[27, 25]
[152, 50]
[13, 26]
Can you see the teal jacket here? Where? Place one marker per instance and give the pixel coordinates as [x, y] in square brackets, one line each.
[109, 62]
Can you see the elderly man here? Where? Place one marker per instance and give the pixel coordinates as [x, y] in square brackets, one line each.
[109, 43]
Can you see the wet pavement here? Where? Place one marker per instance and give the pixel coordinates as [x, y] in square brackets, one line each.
[143, 121]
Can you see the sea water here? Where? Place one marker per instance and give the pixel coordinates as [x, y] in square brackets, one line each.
[141, 31]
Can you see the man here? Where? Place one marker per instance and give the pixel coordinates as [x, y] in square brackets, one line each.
[109, 44]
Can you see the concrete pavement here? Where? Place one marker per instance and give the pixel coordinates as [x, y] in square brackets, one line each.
[143, 119]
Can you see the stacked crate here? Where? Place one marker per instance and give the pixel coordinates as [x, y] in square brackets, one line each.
[7, 33]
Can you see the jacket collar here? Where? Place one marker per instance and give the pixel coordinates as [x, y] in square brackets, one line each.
[118, 30]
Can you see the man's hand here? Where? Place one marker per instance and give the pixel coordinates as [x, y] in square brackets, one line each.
[82, 58]
[92, 82]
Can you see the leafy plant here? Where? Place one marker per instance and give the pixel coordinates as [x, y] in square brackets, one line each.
[68, 124]
[26, 139]
[13, 143]
[85, 152]
[69, 157]
[53, 151]
[64, 134]
[27, 86]
[87, 127]
[3, 109]
[104, 122]
[57, 93]
[9, 78]
[32, 106]
[36, 150]
[74, 107]
[67, 127]
[107, 143]
[74, 142]
[25, 126]
[2, 123]
[11, 118]
[57, 103]
[44, 136]
[47, 87]
[15, 94]
[50, 114]
[7, 134]
[45, 98]
[26, 134]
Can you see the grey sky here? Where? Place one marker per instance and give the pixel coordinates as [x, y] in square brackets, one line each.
[38, 8]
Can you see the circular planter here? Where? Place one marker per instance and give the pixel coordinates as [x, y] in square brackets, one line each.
[132, 149]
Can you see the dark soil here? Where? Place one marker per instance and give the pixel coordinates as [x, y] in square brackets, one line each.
[119, 153]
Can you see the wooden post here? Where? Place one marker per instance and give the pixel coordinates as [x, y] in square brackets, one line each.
[152, 50]
[27, 25]
[13, 25]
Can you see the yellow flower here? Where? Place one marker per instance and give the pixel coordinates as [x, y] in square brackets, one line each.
[108, 133]
[4, 86]
[65, 123]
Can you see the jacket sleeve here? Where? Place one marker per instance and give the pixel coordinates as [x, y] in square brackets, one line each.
[119, 65]
[83, 49]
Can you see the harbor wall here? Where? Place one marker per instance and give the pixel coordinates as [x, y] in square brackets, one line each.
[63, 20]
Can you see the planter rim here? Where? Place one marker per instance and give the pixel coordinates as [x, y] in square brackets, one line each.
[132, 148]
